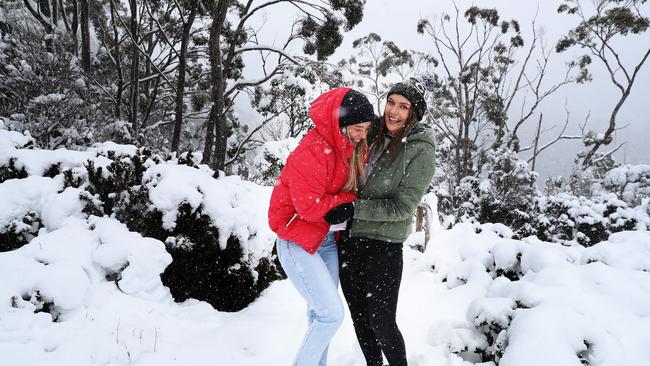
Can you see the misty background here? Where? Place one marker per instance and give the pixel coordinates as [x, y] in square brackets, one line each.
[397, 21]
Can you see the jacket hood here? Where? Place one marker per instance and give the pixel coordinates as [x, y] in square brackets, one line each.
[324, 112]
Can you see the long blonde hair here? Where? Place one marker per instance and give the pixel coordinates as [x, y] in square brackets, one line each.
[357, 164]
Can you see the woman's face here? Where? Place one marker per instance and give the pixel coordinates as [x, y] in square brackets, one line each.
[396, 113]
[359, 131]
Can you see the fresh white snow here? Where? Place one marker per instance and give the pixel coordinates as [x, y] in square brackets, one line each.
[86, 291]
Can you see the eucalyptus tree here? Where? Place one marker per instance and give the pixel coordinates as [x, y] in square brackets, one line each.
[317, 24]
[598, 32]
[485, 71]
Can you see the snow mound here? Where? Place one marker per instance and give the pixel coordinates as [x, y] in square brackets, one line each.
[54, 292]
[538, 303]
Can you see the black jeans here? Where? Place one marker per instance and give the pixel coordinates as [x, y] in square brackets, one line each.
[371, 272]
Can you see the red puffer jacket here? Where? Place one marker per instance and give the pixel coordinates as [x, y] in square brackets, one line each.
[315, 172]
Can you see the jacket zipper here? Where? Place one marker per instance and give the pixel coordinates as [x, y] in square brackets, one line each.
[292, 218]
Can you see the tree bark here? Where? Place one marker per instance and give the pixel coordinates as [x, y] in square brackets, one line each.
[135, 68]
[42, 18]
[55, 13]
[44, 7]
[118, 65]
[180, 88]
[75, 26]
[85, 37]
[216, 130]
[588, 161]
[536, 148]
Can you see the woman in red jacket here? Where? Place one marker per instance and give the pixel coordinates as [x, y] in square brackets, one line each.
[320, 174]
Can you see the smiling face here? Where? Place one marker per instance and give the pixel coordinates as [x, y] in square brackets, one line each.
[359, 131]
[396, 113]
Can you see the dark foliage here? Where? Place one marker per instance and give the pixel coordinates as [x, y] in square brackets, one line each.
[10, 171]
[20, 232]
[200, 269]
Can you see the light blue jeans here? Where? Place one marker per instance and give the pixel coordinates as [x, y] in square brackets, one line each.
[316, 278]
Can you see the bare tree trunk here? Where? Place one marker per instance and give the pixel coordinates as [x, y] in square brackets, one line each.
[135, 67]
[118, 65]
[612, 121]
[63, 14]
[536, 148]
[152, 100]
[55, 13]
[43, 18]
[148, 62]
[216, 119]
[85, 37]
[180, 88]
[75, 26]
[44, 7]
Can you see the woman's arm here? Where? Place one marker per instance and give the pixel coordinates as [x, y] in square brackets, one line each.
[307, 180]
[402, 204]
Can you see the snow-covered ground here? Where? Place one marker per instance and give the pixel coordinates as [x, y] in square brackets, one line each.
[570, 301]
[86, 291]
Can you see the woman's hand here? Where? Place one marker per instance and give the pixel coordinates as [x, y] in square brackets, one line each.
[339, 214]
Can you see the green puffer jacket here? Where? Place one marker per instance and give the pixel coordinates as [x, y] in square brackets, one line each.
[388, 200]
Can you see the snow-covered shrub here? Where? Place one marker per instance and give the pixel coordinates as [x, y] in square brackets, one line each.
[20, 209]
[491, 317]
[82, 275]
[507, 195]
[202, 269]
[10, 171]
[567, 305]
[565, 217]
[215, 228]
[172, 203]
[467, 199]
[631, 183]
[40, 88]
[511, 196]
[583, 181]
[19, 231]
[615, 200]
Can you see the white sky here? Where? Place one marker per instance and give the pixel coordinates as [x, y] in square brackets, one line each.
[397, 20]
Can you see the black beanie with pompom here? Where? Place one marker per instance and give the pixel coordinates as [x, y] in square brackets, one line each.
[413, 90]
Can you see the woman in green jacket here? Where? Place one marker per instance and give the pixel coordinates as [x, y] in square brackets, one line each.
[399, 169]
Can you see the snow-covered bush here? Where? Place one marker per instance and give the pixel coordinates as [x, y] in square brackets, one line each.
[614, 200]
[511, 194]
[215, 229]
[10, 140]
[617, 201]
[566, 305]
[42, 87]
[507, 195]
[9, 171]
[564, 217]
[181, 205]
[631, 183]
[63, 295]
